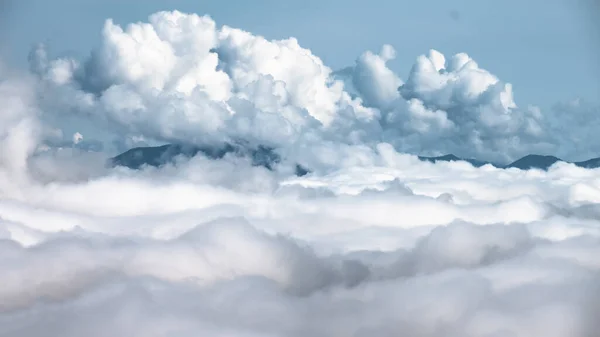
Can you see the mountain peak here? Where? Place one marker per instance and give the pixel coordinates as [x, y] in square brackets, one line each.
[157, 156]
[534, 161]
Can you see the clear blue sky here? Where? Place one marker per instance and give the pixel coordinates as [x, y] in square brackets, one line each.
[546, 48]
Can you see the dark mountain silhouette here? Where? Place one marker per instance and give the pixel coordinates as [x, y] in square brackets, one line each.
[532, 161]
[157, 156]
[451, 157]
[265, 156]
[590, 163]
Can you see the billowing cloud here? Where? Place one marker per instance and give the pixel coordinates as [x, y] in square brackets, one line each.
[372, 242]
[182, 78]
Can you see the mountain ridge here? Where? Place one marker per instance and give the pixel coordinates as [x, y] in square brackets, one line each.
[157, 156]
[265, 156]
[530, 161]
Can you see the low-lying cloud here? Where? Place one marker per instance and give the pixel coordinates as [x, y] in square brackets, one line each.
[372, 242]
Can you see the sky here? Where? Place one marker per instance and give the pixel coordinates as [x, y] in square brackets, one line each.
[372, 241]
[546, 48]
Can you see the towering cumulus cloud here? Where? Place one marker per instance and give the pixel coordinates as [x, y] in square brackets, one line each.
[372, 242]
[182, 78]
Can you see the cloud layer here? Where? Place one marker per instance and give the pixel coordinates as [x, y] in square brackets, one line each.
[373, 242]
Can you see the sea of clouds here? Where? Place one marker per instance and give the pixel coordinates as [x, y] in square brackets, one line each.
[373, 242]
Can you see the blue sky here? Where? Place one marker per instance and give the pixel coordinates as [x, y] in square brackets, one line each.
[545, 48]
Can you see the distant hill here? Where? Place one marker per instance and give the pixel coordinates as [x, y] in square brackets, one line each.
[157, 156]
[532, 161]
[590, 163]
[451, 157]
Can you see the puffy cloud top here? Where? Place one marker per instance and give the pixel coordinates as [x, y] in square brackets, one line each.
[180, 77]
